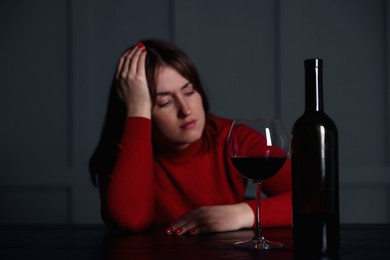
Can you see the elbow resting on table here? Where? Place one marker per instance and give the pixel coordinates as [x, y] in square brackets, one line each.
[135, 223]
[125, 225]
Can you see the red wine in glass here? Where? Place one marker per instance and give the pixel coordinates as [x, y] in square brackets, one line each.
[258, 149]
[249, 166]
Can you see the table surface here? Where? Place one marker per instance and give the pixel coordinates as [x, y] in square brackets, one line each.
[358, 241]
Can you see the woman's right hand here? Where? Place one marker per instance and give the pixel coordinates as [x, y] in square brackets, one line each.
[132, 84]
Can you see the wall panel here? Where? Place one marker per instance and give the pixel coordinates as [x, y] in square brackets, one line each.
[233, 46]
[357, 200]
[386, 32]
[34, 111]
[33, 94]
[35, 204]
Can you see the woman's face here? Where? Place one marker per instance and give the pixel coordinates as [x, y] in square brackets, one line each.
[178, 113]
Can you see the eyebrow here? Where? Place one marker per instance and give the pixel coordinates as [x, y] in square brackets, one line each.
[165, 93]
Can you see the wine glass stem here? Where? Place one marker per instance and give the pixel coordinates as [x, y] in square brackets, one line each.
[258, 230]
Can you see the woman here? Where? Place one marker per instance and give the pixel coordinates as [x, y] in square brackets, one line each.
[161, 159]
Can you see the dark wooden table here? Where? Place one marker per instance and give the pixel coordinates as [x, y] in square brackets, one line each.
[358, 241]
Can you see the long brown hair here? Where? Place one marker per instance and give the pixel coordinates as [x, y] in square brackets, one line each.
[159, 53]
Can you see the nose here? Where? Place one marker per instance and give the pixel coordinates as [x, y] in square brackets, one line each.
[184, 109]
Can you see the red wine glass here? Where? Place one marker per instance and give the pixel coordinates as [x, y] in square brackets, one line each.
[258, 149]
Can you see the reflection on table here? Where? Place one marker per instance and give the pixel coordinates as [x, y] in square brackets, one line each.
[97, 242]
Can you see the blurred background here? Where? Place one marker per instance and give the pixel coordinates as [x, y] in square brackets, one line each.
[58, 57]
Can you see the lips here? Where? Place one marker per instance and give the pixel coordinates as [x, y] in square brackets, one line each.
[188, 125]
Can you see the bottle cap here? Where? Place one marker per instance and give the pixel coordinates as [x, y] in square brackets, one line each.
[316, 63]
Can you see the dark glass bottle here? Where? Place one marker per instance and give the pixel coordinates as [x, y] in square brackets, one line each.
[315, 191]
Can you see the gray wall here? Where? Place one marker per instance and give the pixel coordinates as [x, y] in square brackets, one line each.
[58, 58]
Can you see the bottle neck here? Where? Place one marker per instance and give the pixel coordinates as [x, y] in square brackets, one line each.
[313, 86]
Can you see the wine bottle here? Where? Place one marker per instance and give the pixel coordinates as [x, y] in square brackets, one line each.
[315, 183]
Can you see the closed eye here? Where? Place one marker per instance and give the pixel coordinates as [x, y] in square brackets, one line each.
[164, 103]
[188, 89]
[189, 93]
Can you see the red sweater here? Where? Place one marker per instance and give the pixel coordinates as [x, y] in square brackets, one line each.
[153, 186]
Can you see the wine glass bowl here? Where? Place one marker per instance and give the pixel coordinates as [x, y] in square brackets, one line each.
[258, 149]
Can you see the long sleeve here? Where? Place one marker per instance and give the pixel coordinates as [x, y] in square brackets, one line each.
[130, 190]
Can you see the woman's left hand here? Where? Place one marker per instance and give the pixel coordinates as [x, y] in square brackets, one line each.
[213, 219]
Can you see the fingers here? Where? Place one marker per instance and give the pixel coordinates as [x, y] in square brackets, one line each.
[141, 62]
[194, 222]
[189, 227]
[130, 71]
[213, 219]
[200, 225]
[137, 65]
[132, 84]
[132, 62]
[180, 226]
[123, 62]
